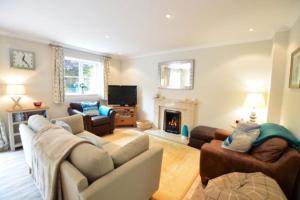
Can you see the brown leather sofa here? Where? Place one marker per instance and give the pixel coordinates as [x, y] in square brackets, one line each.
[216, 161]
[99, 125]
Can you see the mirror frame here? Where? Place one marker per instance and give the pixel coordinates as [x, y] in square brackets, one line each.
[191, 61]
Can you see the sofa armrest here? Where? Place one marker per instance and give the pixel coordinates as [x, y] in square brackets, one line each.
[75, 122]
[137, 179]
[27, 135]
[216, 161]
[222, 134]
[86, 118]
[112, 114]
[75, 112]
[288, 162]
[72, 181]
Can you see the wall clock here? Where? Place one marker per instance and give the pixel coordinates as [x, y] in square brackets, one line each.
[22, 59]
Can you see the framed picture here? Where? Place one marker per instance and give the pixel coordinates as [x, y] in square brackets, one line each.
[22, 59]
[295, 69]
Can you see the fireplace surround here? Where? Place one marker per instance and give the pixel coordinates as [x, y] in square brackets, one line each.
[187, 109]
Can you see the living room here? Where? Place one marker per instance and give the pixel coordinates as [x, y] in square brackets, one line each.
[216, 66]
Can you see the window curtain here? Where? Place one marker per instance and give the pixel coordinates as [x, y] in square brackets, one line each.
[106, 70]
[3, 137]
[58, 76]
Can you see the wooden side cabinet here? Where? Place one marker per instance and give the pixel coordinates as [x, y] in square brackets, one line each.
[20, 116]
[125, 115]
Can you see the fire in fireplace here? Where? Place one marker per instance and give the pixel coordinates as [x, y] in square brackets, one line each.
[172, 121]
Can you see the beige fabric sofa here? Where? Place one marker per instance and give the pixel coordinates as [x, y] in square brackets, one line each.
[134, 174]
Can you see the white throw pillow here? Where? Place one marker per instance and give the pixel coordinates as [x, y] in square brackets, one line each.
[242, 138]
[38, 123]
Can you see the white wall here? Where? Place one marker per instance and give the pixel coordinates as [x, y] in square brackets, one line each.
[291, 101]
[279, 59]
[38, 82]
[223, 76]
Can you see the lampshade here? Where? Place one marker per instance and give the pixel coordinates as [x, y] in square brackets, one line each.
[255, 100]
[15, 89]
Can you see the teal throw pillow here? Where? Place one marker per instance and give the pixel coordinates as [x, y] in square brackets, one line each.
[104, 110]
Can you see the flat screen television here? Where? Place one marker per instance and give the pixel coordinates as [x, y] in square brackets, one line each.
[122, 95]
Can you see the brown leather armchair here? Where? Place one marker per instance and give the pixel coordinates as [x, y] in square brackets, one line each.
[99, 125]
[216, 161]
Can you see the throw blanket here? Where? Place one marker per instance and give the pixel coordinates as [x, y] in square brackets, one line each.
[50, 148]
[270, 130]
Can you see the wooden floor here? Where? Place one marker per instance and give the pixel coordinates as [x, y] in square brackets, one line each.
[180, 165]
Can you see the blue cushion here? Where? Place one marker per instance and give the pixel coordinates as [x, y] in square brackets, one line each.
[90, 108]
[242, 137]
[104, 110]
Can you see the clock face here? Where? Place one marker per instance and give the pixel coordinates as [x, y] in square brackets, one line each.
[22, 59]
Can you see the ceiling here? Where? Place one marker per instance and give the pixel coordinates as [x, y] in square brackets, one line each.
[140, 27]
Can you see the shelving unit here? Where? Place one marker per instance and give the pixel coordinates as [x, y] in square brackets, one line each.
[125, 115]
[20, 116]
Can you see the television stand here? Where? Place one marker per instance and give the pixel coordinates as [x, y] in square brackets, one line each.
[125, 115]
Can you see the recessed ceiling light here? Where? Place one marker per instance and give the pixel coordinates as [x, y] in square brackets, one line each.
[168, 16]
[251, 29]
[107, 36]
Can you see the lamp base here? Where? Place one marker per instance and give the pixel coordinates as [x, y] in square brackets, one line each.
[252, 117]
[16, 101]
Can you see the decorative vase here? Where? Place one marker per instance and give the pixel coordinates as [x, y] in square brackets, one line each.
[185, 131]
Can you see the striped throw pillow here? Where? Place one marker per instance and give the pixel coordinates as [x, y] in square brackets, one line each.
[90, 108]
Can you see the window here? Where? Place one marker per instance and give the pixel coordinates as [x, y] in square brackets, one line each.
[83, 77]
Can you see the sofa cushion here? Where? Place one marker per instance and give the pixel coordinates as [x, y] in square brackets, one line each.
[74, 121]
[270, 150]
[97, 141]
[130, 150]
[110, 147]
[100, 120]
[38, 123]
[91, 161]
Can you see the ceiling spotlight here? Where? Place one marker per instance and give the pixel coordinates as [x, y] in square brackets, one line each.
[168, 16]
[107, 36]
[251, 29]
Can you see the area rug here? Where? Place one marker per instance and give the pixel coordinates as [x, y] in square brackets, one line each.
[180, 165]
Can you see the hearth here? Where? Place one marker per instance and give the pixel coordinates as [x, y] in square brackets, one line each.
[172, 121]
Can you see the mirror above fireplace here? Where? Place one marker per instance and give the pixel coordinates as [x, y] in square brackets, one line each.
[177, 74]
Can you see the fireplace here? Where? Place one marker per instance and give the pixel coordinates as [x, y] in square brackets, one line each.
[172, 121]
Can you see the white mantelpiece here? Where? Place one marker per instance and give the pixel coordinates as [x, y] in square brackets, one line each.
[186, 107]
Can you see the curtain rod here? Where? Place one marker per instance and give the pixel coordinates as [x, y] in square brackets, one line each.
[58, 45]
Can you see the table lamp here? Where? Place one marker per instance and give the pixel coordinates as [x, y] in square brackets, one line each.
[254, 100]
[15, 91]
